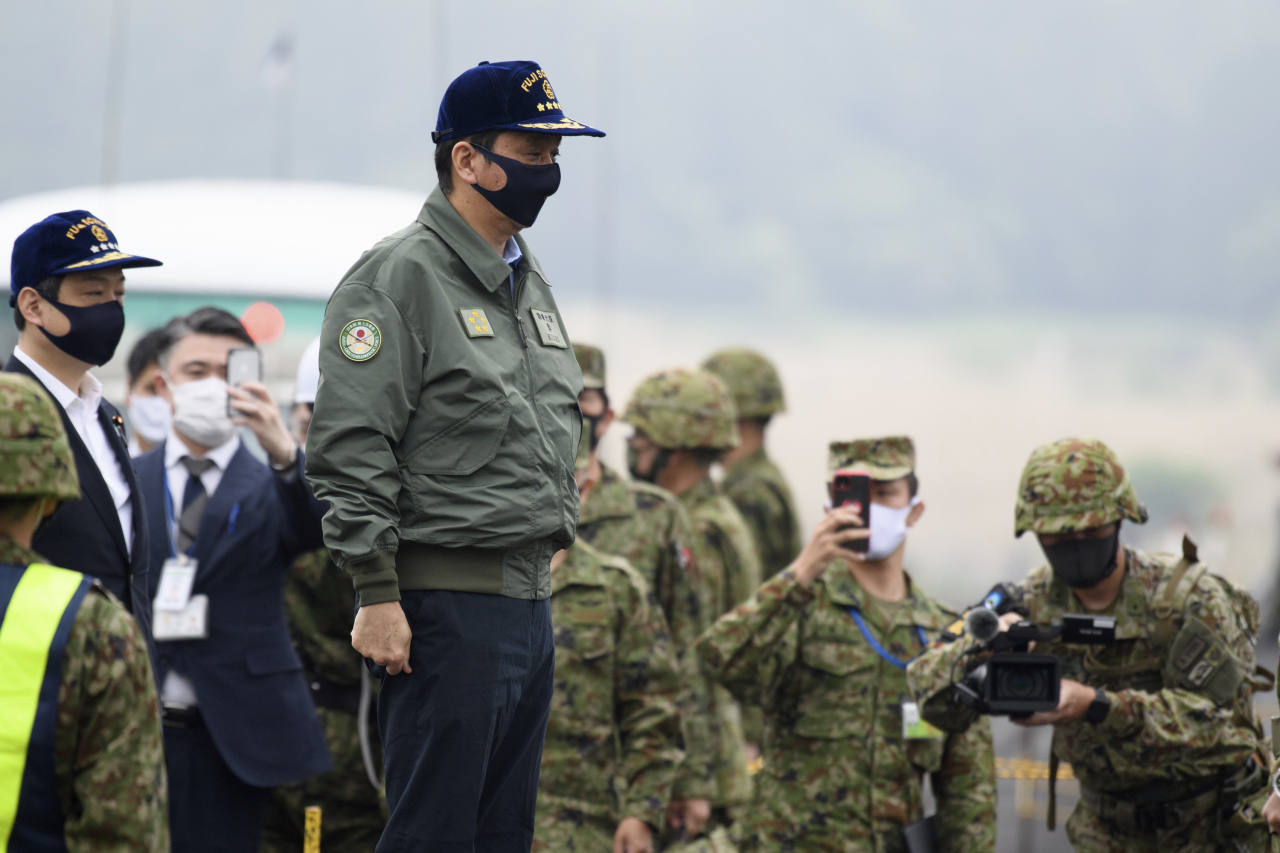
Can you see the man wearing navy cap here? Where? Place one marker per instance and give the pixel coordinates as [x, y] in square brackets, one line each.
[66, 288]
[445, 430]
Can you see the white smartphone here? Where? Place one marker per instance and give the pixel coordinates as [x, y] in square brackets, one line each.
[243, 365]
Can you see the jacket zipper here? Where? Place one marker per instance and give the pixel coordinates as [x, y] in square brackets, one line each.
[533, 392]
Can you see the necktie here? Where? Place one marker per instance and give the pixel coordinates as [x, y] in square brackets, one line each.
[194, 499]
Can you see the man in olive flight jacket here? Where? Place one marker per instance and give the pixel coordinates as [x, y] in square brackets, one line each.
[445, 428]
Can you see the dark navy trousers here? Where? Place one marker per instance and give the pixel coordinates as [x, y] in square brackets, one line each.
[462, 734]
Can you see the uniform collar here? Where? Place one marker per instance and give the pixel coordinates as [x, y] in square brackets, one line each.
[487, 265]
[844, 591]
[705, 490]
[580, 568]
[746, 463]
[608, 499]
[13, 554]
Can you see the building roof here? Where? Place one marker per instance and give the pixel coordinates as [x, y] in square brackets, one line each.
[252, 238]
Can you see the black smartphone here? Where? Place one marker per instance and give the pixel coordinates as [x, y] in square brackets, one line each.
[244, 364]
[851, 488]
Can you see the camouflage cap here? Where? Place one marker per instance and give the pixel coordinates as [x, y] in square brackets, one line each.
[890, 458]
[1074, 484]
[752, 379]
[684, 408]
[591, 363]
[35, 458]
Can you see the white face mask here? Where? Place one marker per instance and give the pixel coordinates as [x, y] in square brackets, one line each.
[200, 411]
[888, 529]
[149, 416]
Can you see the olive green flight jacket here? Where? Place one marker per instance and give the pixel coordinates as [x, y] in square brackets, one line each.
[447, 455]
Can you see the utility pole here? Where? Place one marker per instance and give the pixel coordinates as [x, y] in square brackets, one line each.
[113, 107]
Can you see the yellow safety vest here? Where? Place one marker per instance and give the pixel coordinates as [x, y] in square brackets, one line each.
[38, 603]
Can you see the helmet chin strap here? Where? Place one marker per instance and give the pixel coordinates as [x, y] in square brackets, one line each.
[659, 462]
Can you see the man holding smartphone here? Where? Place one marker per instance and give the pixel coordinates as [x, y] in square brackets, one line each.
[237, 712]
[445, 430]
[823, 648]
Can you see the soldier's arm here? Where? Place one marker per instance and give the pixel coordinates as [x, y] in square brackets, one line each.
[108, 747]
[1203, 720]
[965, 789]
[685, 599]
[747, 649]
[930, 680]
[361, 410]
[645, 689]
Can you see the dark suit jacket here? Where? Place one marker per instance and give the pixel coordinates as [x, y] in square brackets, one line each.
[85, 535]
[253, 697]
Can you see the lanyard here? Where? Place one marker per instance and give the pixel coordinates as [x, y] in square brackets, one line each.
[875, 644]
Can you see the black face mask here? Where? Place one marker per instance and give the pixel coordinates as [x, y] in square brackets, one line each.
[95, 331]
[591, 423]
[526, 189]
[1084, 563]
[659, 462]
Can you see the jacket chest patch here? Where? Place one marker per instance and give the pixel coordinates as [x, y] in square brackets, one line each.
[476, 322]
[549, 328]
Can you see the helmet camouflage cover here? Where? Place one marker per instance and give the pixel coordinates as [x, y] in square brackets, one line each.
[35, 458]
[890, 458]
[752, 379]
[1074, 484]
[684, 408]
[591, 363]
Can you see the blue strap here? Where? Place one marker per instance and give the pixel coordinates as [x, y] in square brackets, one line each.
[875, 644]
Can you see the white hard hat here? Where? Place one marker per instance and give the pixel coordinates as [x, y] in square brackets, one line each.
[308, 374]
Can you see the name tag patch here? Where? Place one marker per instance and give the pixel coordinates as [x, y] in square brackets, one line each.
[549, 329]
[476, 322]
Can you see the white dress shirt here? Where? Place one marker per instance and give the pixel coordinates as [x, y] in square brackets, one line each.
[82, 409]
[177, 689]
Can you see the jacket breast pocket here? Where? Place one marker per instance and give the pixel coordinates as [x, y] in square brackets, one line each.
[839, 680]
[468, 445]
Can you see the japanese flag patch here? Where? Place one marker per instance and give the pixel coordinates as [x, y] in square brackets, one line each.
[360, 340]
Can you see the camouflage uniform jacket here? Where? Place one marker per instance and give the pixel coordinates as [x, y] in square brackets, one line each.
[838, 775]
[731, 572]
[1159, 738]
[108, 748]
[760, 492]
[612, 746]
[648, 527]
[321, 606]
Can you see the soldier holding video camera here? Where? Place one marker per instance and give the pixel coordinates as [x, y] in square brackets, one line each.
[1154, 705]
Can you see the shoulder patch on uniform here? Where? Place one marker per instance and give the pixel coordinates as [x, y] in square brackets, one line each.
[360, 340]
[476, 322]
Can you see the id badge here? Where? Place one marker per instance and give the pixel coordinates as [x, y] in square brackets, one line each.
[189, 623]
[176, 577]
[914, 728]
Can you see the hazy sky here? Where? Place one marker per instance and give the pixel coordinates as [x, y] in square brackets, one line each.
[779, 157]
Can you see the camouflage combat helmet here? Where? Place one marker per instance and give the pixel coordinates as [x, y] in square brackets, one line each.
[752, 379]
[35, 458]
[890, 458]
[684, 408]
[591, 363]
[1074, 484]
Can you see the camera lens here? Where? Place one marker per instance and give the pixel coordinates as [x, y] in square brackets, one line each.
[1020, 683]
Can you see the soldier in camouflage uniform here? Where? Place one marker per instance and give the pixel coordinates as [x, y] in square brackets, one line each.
[90, 769]
[612, 747]
[647, 526]
[751, 479]
[823, 648]
[684, 420]
[1158, 727]
[320, 605]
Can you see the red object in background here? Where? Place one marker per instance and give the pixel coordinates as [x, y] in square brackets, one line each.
[263, 321]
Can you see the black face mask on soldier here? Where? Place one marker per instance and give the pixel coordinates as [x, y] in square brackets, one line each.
[95, 331]
[1084, 563]
[527, 187]
[659, 462]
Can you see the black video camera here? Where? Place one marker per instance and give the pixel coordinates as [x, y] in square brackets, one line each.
[1014, 680]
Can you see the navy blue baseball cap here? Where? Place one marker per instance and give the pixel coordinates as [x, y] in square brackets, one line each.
[504, 96]
[71, 241]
